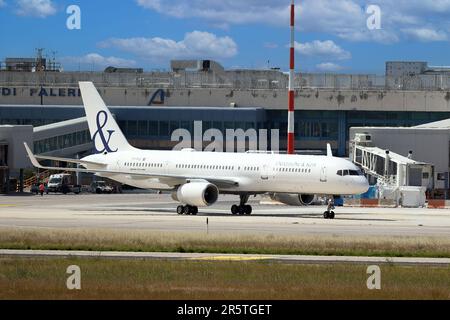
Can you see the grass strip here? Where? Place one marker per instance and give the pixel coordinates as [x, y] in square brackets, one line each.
[159, 279]
[149, 241]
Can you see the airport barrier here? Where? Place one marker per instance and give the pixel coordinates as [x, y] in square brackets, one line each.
[373, 203]
[438, 204]
[386, 203]
[370, 203]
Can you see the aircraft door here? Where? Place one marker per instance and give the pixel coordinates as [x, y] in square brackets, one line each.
[323, 174]
[264, 172]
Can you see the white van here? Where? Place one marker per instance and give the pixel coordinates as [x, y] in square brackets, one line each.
[63, 183]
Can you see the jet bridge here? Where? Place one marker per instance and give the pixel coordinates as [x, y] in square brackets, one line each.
[388, 168]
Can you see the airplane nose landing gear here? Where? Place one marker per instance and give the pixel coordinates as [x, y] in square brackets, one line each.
[329, 214]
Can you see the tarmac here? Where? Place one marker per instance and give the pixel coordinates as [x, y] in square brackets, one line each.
[150, 211]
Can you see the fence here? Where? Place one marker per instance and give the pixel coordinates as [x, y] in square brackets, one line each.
[233, 79]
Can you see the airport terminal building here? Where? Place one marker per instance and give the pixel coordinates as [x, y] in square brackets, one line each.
[149, 106]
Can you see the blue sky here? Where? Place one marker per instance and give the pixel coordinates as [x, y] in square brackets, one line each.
[331, 35]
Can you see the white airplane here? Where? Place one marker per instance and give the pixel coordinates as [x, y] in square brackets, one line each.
[197, 178]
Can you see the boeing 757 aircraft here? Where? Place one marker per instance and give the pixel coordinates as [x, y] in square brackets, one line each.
[197, 178]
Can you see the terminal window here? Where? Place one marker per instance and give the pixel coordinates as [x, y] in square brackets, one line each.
[3, 155]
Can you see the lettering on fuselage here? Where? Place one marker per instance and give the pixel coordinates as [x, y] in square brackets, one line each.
[296, 164]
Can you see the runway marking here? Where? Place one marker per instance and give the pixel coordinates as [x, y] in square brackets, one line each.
[8, 205]
[231, 258]
[412, 261]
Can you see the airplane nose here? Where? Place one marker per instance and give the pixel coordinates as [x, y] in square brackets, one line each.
[364, 185]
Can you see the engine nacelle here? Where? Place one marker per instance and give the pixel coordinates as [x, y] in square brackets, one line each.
[199, 194]
[293, 199]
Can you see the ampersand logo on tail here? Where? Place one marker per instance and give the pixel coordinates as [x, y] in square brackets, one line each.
[102, 115]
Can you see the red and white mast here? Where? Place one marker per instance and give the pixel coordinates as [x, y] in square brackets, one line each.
[291, 138]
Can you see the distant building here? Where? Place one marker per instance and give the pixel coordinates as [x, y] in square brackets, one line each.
[405, 68]
[440, 70]
[123, 70]
[413, 68]
[25, 64]
[416, 75]
[196, 65]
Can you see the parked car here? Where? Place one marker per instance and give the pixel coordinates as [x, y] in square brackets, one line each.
[101, 187]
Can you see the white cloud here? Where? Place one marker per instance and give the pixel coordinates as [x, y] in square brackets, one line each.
[426, 34]
[343, 18]
[219, 11]
[98, 61]
[270, 45]
[328, 67]
[195, 44]
[322, 48]
[2, 3]
[35, 8]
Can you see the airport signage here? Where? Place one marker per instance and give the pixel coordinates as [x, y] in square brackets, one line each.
[43, 92]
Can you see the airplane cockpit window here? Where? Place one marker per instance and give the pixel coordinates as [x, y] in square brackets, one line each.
[349, 173]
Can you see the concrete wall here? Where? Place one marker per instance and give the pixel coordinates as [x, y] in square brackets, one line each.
[428, 145]
[306, 99]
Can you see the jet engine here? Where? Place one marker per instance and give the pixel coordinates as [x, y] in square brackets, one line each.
[293, 199]
[199, 194]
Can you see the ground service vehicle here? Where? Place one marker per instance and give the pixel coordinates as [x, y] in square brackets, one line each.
[62, 183]
[101, 187]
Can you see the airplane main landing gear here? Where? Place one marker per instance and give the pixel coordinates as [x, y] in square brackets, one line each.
[187, 210]
[242, 208]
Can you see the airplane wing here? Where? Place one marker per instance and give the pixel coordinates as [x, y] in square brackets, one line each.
[82, 162]
[168, 179]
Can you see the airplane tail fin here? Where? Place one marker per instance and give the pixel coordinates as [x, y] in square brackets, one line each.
[329, 151]
[104, 130]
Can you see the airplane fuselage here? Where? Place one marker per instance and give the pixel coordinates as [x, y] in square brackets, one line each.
[197, 178]
[254, 172]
